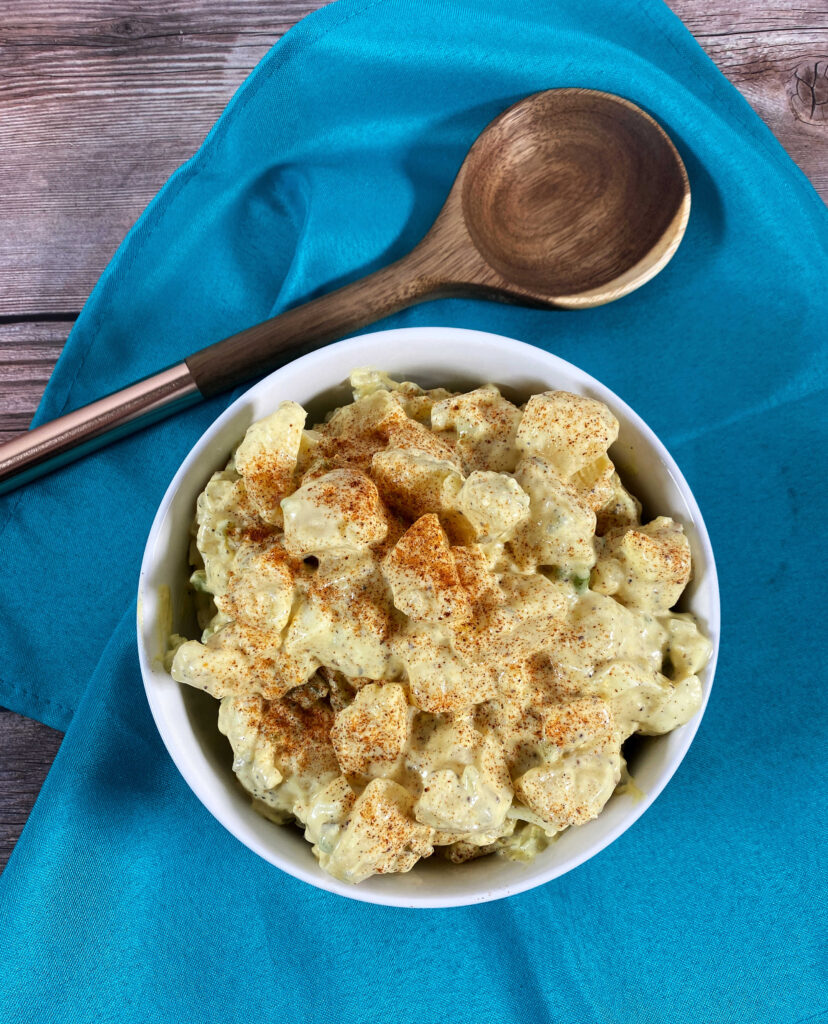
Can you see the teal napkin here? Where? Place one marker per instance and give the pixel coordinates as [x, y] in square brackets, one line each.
[125, 900]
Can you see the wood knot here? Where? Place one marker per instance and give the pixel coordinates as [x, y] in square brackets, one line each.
[128, 28]
[808, 91]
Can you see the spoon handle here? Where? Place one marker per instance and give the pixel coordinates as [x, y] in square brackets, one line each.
[258, 350]
[253, 352]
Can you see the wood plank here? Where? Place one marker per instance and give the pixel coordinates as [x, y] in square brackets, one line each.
[89, 132]
[769, 53]
[28, 352]
[28, 749]
[99, 104]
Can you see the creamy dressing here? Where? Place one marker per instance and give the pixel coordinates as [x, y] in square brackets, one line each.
[433, 620]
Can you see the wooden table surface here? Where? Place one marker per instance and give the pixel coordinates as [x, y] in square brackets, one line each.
[100, 101]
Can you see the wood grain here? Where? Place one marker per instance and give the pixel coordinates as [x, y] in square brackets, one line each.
[27, 749]
[589, 239]
[88, 134]
[769, 52]
[100, 102]
[28, 352]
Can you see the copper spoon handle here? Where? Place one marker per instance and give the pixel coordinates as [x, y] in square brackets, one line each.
[253, 352]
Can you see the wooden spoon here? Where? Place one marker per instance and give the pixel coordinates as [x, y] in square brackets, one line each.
[570, 198]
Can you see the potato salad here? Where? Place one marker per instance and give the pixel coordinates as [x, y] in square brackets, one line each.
[433, 620]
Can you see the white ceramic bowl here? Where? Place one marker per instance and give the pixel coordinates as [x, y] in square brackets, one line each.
[187, 719]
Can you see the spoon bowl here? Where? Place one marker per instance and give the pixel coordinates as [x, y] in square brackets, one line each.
[570, 198]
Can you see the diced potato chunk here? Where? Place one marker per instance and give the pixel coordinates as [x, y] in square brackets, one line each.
[609, 631]
[526, 619]
[354, 433]
[266, 459]
[560, 527]
[655, 564]
[573, 785]
[261, 591]
[594, 483]
[422, 574]
[285, 739]
[240, 721]
[371, 418]
[416, 402]
[218, 514]
[688, 648]
[568, 430]
[493, 503]
[440, 680]
[485, 424]
[476, 578]
[344, 623]
[581, 721]
[472, 798]
[338, 511]
[235, 660]
[410, 436]
[366, 380]
[381, 835]
[620, 509]
[325, 814]
[562, 795]
[372, 728]
[413, 483]
[645, 701]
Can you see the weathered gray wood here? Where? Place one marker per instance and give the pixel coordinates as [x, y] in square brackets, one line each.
[27, 749]
[769, 52]
[28, 352]
[101, 101]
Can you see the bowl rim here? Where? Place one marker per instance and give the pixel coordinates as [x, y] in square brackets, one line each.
[203, 788]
